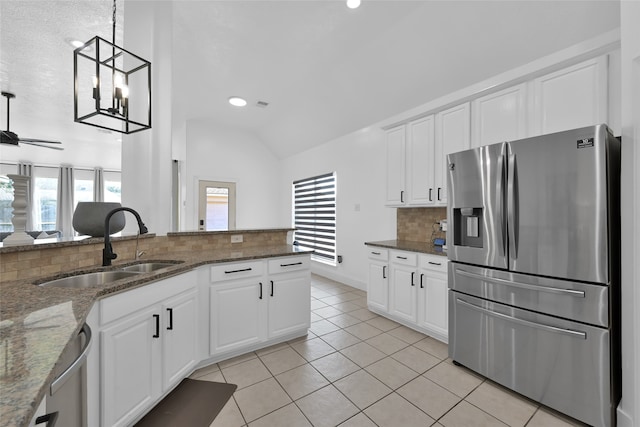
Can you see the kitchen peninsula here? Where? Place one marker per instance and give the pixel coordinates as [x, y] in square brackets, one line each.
[37, 323]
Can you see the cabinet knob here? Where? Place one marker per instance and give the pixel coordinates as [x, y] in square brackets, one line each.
[260, 297]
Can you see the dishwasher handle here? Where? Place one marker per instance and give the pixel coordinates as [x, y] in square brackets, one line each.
[77, 364]
[49, 419]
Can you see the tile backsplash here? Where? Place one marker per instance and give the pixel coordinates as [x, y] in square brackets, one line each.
[420, 224]
[39, 262]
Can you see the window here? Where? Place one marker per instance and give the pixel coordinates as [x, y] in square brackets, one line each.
[6, 199]
[314, 216]
[112, 187]
[45, 198]
[82, 186]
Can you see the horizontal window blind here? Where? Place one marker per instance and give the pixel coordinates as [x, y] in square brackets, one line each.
[314, 215]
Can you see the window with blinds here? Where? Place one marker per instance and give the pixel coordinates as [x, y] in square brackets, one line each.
[314, 216]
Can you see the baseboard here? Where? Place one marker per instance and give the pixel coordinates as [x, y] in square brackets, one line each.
[321, 271]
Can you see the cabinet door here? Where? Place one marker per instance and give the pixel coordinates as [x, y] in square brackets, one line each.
[395, 166]
[500, 116]
[433, 304]
[378, 288]
[402, 290]
[420, 149]
[237, 314]
[130, 366]
[452, 135]
[571, 98]
[289, 304]
[180, 329]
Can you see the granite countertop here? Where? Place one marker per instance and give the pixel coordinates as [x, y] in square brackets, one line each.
[37, 323]
[406, 245]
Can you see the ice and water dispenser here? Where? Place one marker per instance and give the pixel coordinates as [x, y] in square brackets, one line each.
[467, 227]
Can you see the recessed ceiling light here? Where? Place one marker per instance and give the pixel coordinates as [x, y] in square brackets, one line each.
[353, 4]
[236, 101]
[75, 43]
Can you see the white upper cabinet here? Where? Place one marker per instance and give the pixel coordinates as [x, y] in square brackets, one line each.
[395, 166]
[452, 135]
[571, 98]
[500, 116]
[420, 151]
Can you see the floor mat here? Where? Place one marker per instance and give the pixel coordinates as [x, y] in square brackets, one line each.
[193, 403]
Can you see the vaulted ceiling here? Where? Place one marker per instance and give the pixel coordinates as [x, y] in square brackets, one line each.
[324, 69]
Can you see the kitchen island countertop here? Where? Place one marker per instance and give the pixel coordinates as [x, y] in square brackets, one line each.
[38, 323]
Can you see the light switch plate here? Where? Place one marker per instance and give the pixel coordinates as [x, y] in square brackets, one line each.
[236, 238]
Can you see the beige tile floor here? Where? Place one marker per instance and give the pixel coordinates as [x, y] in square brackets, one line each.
[358, 369]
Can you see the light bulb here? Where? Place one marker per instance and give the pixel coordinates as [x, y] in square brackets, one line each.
[353, 4]
[125, 91]
[117, 81]
[95, 82]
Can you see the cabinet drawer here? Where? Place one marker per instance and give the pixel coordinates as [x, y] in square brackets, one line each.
[404, 258]
[434, 262]
[237, 270]
[284, 265]
[378, 253]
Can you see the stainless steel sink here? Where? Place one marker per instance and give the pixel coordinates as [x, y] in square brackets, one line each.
[89, 279]
[147, 267]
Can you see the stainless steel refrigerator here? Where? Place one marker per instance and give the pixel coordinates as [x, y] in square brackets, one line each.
[534, 290]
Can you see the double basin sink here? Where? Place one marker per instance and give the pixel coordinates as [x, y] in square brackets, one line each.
[98, 278]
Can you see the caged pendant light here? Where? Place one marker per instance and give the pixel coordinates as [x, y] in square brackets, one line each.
[112, 86]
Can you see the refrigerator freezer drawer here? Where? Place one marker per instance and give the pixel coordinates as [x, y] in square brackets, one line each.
[571, 300]
[564, 365]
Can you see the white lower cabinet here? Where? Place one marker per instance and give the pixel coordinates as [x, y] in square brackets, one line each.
[433, 302]
[378, 283]
[147, 344]
[402, 286]
[259, 302]
[236, 314]
[416, 292]
[289, 305]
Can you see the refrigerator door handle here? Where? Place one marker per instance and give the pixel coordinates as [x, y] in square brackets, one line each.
[512, 206]
[502, 219]
[572, 292]
[548, 328]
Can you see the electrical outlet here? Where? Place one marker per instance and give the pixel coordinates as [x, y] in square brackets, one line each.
[236, 238]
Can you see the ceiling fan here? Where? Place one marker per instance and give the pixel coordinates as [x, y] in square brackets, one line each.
[11, 138]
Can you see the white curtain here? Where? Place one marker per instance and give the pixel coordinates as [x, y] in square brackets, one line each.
[98, 185]
[26, 169]
[64, 213]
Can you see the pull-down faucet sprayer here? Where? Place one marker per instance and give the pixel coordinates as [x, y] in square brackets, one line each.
[107, 252]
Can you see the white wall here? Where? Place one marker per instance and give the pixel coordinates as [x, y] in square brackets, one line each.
[360, 165]
[217, 153]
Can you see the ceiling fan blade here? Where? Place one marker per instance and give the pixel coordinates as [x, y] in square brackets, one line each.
[40, 141]
[37, 144]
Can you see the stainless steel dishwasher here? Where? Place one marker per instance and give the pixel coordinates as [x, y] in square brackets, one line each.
[66, 400]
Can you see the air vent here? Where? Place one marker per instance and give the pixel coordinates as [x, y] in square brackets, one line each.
[262, 104]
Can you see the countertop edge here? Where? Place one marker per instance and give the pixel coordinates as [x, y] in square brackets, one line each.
[409, 246]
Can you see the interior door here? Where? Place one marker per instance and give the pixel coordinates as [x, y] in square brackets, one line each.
[216, 205]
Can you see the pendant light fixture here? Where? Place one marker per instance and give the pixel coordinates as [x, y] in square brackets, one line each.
[112, 86]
